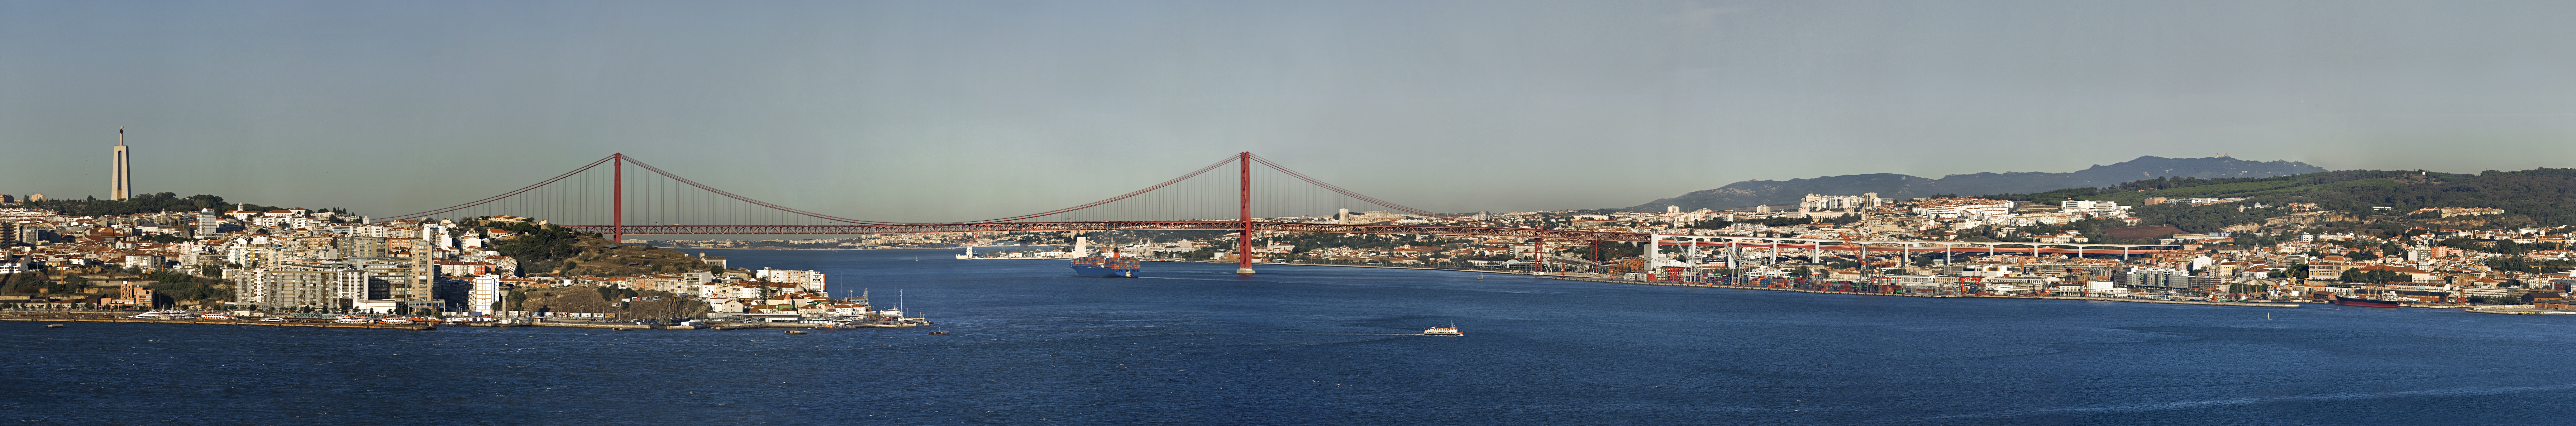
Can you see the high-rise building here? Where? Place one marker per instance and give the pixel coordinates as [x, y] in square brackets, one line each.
[209, 224]
[295, 287]
[124, 185]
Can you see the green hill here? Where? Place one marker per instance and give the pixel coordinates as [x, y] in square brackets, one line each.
[2536, 197]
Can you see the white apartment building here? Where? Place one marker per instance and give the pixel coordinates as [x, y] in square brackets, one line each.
[1815, 202]
[2097, 208]
[277, 288]
[2028, 219]
[1963, 208]
[485, 294]
[804, 280]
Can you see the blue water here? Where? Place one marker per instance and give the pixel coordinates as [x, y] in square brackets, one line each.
[1195, 344]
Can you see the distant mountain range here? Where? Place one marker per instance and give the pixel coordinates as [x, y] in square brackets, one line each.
[1751, 193]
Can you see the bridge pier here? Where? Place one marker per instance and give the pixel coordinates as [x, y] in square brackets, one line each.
[1243, 241]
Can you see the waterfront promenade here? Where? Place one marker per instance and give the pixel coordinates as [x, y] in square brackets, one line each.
[72, 317]
[1799, 290]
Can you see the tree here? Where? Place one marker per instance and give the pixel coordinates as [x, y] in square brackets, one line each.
[2374, 276]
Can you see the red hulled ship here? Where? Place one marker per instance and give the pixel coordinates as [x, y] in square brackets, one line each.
[2348, 301]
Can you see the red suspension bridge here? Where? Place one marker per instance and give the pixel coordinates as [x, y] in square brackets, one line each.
[600, 201]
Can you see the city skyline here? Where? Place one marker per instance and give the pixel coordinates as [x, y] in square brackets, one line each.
[818, 105]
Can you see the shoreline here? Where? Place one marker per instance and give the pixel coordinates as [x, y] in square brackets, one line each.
[1289, 264]
[2095, 299]
[233, 322]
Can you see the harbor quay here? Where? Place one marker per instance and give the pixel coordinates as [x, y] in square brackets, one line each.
[421, 324]
[1862, 293]
[96, 317]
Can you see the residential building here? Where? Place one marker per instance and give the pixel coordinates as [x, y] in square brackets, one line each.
[290, 287]
[2149, 277]
[806, 280]
[1813, 202]
[486, 294]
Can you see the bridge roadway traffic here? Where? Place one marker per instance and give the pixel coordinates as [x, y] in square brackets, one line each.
[1233, 225]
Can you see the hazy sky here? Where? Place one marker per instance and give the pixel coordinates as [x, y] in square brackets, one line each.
[979, 107]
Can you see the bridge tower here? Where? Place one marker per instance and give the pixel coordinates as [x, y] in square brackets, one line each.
[617, 199]
[1243, 241]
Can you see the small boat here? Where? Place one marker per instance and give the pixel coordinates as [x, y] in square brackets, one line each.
[1451, 330]
[795, 331]
[353, 319]
[217, 316]
[938, 333]
[53, 326]
[273, 319]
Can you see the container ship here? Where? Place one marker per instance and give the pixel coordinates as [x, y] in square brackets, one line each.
[2350, 301]
[1107, 264]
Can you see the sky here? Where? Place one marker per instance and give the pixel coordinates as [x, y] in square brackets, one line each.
[931, 110]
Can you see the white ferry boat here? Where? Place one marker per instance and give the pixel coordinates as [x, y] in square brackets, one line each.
[1451, 330]
[353, 319]
[218, 316]
[273, 319]
[145, 316]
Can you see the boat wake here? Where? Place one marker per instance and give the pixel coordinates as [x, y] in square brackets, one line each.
[2204, 404]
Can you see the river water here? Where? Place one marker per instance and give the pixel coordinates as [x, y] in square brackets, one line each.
[1196, 344]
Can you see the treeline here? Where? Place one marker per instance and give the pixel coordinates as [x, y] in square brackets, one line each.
[2517, 264]
[2202, 218]
[149, 203]
[538, 243]
[175, 286]
[168, 286]
[2546, 196]
[2050, 198]
[2318, 178]
[2536, 197]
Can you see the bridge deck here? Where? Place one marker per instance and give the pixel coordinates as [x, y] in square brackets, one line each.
[1554, 234]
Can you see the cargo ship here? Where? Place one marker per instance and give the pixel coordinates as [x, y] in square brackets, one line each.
[2349, 301]
[1107, 264]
